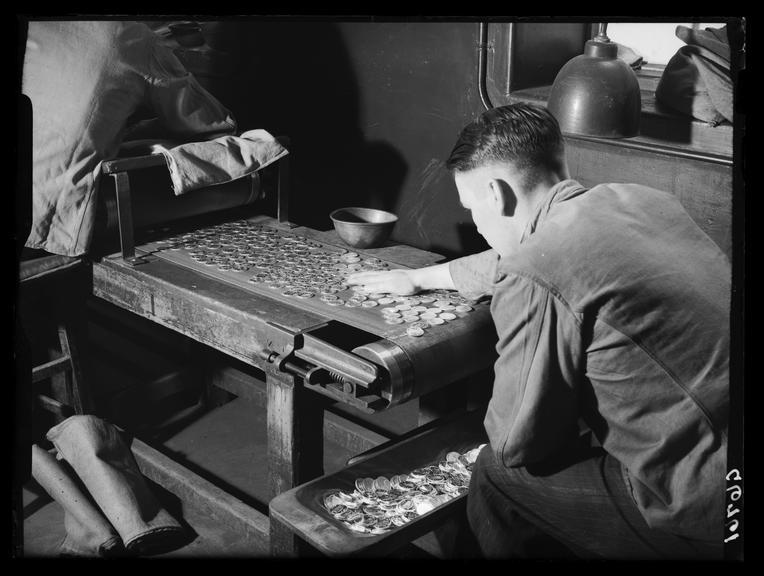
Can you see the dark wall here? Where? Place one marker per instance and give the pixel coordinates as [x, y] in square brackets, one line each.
[372, 110]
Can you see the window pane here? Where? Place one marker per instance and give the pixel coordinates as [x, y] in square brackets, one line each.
[656, 42]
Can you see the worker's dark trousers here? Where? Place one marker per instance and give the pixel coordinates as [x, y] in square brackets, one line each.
[581, 510]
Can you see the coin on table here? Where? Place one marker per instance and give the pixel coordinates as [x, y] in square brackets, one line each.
[386, 300]
[356, 527]
[340, 512]
[331, 500]
[435, 478]
[452, 456]
[423, 505]
[345, 497]
[398, 520]
[394, 321]
[368, 484]
[397, 479]
[383, 525]
[417, 475]
[426, 488]
[473, 454]
[447, 316]
[414, 332]
[435, 321]
[373, 510]
[355, 516]
[462, 308]
[460, 479]
[382, 483]
[410, 318]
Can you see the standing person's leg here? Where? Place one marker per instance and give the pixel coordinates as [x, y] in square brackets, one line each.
[582, 509]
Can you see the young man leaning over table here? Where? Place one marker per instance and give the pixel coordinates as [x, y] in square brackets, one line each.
[611, 307]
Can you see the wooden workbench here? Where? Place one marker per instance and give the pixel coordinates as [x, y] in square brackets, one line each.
[235, 322]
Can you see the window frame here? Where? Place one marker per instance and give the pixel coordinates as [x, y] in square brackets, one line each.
[524, 57]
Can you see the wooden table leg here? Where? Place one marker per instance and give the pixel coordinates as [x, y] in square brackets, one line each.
[295, 446]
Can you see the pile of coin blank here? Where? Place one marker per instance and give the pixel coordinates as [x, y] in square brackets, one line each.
[380, 504]
[302, 268]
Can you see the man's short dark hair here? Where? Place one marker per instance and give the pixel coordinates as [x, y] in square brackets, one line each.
[527, 135]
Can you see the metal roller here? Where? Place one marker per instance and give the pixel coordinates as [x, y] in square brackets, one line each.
[416, 366]
[154, 203]
[398, 385]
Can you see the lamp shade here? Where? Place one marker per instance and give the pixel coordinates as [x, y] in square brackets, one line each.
[597, 94]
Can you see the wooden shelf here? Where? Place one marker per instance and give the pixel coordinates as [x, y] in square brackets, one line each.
[662, 130]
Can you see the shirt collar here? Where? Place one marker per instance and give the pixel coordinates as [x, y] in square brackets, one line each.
[564, 190]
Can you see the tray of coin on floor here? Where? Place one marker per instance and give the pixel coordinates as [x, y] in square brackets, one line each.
[373, 499]
[298, 270]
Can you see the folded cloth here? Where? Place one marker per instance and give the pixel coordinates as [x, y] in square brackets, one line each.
[88, 532]
[106, 466]
[698, 80]
[198, 164]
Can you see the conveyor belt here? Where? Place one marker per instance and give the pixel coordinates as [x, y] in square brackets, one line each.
[370, 350]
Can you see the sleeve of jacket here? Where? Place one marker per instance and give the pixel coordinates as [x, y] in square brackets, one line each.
[182, 105]
[533, 413]
[474, 275]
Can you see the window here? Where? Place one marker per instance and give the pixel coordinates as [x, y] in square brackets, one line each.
[656, 42]
[523, 59]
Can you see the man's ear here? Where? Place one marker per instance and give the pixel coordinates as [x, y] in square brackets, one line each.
[503, 197]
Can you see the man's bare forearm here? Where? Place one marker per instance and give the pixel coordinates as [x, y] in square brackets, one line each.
[432, 277]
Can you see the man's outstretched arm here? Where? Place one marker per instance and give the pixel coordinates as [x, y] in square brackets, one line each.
[473, 276]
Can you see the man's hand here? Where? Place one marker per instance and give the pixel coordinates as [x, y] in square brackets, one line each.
[404, 282]
[400, 282]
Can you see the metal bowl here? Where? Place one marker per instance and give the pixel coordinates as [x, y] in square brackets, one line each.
[363, 227]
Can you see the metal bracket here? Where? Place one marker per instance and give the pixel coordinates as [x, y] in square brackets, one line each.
[283, 190]
[125, 218]
[329, 370]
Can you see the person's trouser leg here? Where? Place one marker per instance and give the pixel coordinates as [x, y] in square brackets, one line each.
[88, 532]
[585, 508]
[96, 452]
